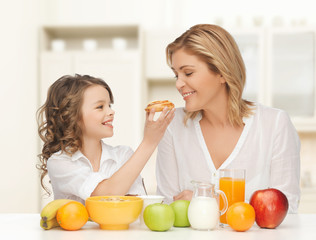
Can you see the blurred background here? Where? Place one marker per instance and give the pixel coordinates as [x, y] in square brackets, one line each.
[123, 42]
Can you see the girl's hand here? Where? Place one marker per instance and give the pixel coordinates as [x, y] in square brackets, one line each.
[154, 130]
[184, 195]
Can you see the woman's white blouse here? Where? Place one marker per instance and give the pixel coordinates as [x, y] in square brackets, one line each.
[268, 148]
[72, 177]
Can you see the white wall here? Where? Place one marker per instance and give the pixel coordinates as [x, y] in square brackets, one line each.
[18, 103]
[180, 13]
[19, 22]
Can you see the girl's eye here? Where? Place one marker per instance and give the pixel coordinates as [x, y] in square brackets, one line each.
[100, 107]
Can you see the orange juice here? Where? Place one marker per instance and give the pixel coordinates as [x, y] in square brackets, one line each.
[234, 188]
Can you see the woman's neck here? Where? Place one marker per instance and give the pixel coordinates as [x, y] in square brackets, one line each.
[216, 114]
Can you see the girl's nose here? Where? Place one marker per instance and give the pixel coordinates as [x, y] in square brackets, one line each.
[111, 112]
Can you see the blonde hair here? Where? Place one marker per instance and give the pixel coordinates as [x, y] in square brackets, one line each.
[58, 117]
[216, 47]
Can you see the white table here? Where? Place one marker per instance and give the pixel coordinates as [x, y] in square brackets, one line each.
[26, 226]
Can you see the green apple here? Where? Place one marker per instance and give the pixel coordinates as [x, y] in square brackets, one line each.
[180, 208]
[159, 217]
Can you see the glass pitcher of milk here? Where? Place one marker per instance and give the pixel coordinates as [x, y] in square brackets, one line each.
[203, 212]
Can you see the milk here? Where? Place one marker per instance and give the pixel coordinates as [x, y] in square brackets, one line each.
[203, 213]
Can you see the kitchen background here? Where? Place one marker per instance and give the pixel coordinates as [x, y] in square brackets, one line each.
[123, 42]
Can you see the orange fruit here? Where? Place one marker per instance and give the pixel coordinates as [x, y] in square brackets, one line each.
[72, 216]
[240, 216]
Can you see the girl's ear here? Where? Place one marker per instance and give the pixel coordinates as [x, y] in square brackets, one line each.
[80, 123]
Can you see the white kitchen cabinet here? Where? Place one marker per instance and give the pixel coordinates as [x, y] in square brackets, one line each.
[251, 46]
[155, 63]
[293, 72]
[292, 75]
[52, 66]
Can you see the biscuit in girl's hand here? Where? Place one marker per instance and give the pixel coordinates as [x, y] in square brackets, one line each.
[159, 105]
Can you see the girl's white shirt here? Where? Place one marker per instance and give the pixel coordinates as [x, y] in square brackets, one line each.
[72, 177]
[268, 148]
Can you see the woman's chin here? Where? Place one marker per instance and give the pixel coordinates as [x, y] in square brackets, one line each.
[189, 108]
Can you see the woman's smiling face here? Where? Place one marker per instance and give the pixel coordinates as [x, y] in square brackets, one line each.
[198, 85]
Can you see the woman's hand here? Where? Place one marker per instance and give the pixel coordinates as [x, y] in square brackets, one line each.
[154, 130]
[184, 195]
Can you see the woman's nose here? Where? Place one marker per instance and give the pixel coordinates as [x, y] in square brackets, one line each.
[179, 83]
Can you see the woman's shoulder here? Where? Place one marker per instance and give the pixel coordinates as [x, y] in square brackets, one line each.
[271, 115]
[179, 126]
[269, 111]
[179, 115]
[180, 112]
[178, 119]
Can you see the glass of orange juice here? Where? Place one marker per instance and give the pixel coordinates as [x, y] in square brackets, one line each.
[232, 183]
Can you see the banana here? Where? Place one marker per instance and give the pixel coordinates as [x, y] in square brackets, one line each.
[50, 210]
[49, 224]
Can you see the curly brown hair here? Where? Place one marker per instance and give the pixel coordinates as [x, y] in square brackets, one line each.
[58, 117]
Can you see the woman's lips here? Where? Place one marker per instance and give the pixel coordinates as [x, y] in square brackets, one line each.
[186, 95]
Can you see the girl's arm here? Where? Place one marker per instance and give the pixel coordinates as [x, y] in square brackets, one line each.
[121, 181]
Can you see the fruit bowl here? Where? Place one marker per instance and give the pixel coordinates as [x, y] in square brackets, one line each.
[114, 212]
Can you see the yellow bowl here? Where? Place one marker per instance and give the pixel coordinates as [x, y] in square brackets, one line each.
[114, 215]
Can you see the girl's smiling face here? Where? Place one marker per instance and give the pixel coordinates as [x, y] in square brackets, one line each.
[97, 115]
[198, 85]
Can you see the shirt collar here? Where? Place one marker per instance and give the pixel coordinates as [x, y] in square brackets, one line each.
[77, 155]
[246, 120]
[107, 154]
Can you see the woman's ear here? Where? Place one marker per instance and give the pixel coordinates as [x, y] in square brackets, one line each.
[222, 79]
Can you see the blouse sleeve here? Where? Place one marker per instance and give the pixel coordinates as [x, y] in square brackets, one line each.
[285, 165]
[167, 168]
[137, 186]
[70, 178]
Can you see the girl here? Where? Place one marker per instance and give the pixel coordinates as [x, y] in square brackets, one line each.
[75, 118]
[218, 129]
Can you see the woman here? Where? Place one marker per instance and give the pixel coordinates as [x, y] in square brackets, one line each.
[218, 129]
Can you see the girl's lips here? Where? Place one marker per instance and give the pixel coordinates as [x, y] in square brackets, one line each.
[108, 123]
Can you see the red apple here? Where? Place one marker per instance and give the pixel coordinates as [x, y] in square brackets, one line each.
[270, 206]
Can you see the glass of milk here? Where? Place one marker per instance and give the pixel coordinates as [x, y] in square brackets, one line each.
[203, 212]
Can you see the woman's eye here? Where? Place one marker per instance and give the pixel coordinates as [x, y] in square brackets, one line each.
[176, 76]
[188, 74]
[100, 107]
